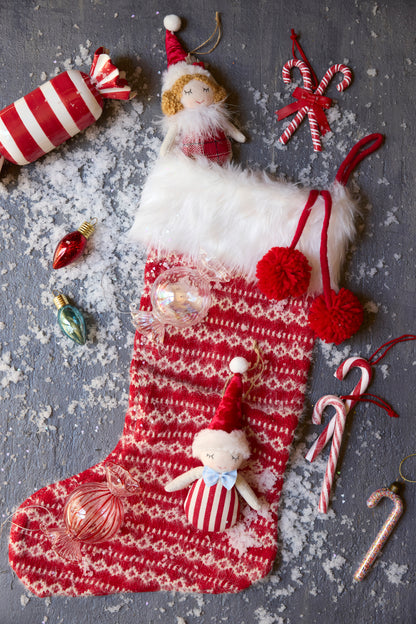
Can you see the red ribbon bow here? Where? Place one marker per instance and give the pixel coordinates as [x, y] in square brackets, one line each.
[318, 103]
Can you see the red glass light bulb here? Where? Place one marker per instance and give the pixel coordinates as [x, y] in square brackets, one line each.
[71, 247]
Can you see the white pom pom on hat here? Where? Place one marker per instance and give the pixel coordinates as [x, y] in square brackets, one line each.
[239, 365]
[172, 23]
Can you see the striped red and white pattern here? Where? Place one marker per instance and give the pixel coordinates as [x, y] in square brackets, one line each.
[57, 110]
[211, 508]
[340, 418]
[362, 385]
[306, 110]
[304, 70]
[172, 397]
[92, 514]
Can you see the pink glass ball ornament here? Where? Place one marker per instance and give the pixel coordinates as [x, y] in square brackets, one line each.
[180, 297]
[93, 512]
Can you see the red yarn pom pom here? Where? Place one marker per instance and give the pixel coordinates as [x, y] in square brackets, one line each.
[282, 273]
[341, 321]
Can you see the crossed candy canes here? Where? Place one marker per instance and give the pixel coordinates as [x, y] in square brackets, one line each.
[362, 385]
[310, 102]
[339, 426]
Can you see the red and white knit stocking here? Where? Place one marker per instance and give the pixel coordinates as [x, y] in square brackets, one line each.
[172, 398]
[174, 394]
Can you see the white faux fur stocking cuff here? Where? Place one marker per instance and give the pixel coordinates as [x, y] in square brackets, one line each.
[236, 216]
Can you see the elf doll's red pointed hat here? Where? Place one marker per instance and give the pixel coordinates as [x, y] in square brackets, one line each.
[224, 431]
[180, 63]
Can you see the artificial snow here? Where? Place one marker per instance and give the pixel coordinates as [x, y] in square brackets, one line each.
[395, 572]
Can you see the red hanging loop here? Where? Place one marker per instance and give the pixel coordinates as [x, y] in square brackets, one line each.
[372, 398]
[296, 45]
[357, 154]
[388, 345]
[313, 196]
[323, 253]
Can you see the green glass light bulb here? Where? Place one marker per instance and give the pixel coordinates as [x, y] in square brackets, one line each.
[70, 320]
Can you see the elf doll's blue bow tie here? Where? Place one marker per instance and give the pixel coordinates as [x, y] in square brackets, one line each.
[211, 477]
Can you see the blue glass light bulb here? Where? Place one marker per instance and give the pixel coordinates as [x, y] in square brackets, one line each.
[70, 320]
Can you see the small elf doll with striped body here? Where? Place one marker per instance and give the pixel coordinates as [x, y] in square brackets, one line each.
[212, 502]
[196, 119]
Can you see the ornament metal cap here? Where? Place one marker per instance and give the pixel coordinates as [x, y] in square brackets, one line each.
[86, 228]
[60, 301]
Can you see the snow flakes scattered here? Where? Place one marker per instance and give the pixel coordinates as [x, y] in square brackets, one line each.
[24, 600]
[395, 572]
[391, 217]
[41, 417]
[10, 373]
[265, 617]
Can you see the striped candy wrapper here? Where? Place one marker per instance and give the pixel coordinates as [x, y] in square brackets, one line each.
[57, 110]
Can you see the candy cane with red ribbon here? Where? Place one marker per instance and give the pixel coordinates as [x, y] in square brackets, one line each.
[362, 385]
[340, 418]
[312, 103]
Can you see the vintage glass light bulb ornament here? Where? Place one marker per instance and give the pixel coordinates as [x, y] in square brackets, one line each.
[180, 297]
[72, 245]
[93, 512]
[70, 320]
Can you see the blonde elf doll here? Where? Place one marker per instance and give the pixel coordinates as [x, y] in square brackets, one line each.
[196, 119]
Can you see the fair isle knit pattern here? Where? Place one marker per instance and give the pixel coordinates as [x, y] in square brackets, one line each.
[173, 395]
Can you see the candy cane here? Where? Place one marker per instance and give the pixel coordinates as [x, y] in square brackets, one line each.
[340, 419]
[304, 70]
[341, 372]
[346, 81]
[384, 532]
[307, 83]
[330, 73]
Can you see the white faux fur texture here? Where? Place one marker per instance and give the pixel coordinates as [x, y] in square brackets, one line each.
[201, 121]
[219, 440]
[176, 71]
[236, 215]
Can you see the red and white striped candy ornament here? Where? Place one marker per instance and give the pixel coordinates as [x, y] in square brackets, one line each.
[340, 419]
[93, 513]
[57, 110]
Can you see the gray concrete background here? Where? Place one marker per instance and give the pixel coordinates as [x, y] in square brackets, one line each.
[62, 406]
